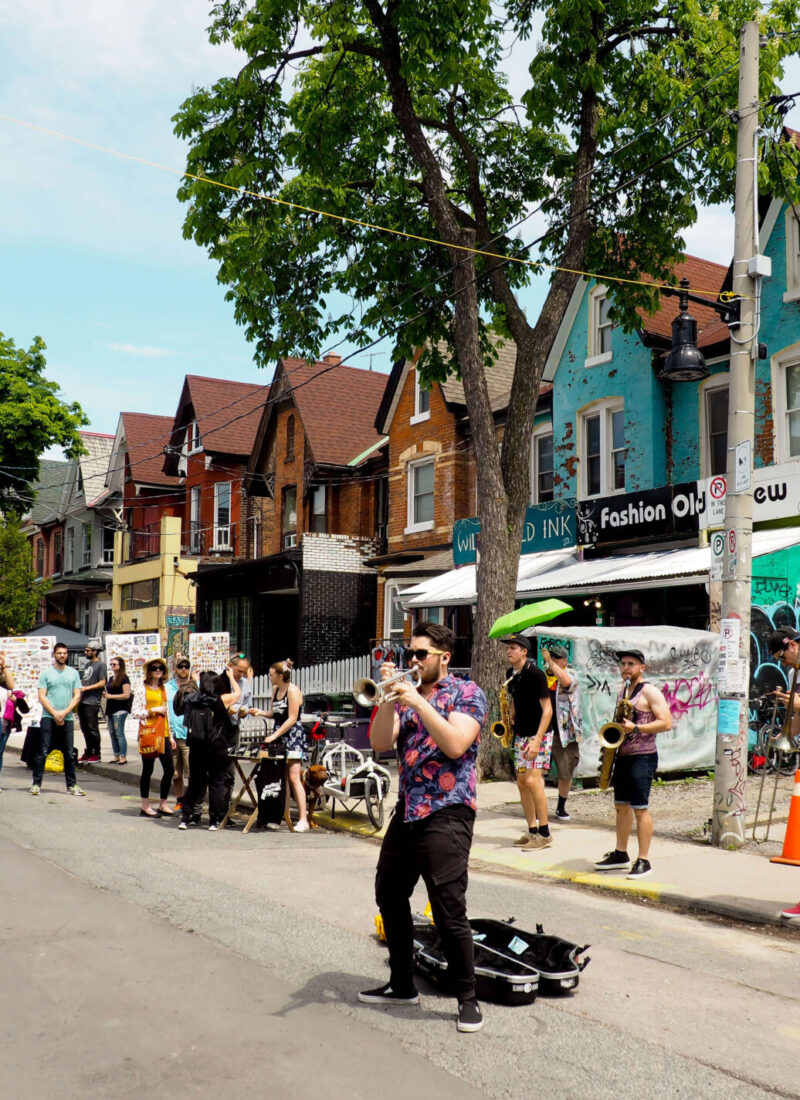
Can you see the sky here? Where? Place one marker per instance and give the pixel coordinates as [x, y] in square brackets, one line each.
[93, 257]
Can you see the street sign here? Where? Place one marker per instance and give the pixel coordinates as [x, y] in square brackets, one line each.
[743, 465]
[717, 555]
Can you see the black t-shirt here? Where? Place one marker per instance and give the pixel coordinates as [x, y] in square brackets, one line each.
[528, 689]
[113, 706]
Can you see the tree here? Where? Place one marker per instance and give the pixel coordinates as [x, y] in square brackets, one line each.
[32, 418]
[20, 591]
[397, 114]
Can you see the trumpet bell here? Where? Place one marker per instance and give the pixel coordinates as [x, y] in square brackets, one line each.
[371, 693]
[365, 692]
[784, 743]
[611, 735]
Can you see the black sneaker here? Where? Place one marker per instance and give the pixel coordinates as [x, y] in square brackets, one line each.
[562, 815]
[640, 868]
[385, 995]
[613, 861]
[470, 1017]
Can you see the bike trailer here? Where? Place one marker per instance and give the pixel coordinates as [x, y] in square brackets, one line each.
[511, 966]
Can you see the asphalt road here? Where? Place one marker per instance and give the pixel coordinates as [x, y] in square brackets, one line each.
[136, 957]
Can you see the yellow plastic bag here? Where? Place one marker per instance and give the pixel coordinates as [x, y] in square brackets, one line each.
[54, 761]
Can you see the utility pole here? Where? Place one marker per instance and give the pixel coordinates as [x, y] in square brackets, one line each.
[728, 817]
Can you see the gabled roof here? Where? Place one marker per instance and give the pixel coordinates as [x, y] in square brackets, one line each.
[145, 436]
[52, 476]
[703, 276]
[336, 404]
[227, 414]
[93, 465]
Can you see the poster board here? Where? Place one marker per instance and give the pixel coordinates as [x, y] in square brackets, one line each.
[210, 651]
[135, 650]
[682, 663]
[26, 658]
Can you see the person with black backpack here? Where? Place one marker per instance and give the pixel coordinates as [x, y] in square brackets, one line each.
[209, 734]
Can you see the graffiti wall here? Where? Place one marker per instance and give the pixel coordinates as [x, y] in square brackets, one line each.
[775, 605]
[682, 663]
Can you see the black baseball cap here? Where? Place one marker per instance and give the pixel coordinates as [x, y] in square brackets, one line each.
[517, 639]
[635, 653]
[776, 642]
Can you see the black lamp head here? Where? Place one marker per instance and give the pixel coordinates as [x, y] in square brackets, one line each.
[685, 362]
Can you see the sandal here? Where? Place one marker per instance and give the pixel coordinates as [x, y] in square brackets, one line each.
[147, 813]
[165, 811]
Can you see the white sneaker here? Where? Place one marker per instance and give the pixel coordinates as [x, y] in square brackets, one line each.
[301, 827]
[35, 789]
[273, 826]
[76, 791]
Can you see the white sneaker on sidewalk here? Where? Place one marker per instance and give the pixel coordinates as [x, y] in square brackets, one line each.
[301, 827]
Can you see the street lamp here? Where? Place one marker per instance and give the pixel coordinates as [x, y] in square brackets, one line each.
[685, 362]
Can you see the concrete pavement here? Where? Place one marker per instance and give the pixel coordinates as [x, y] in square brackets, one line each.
[687, 875]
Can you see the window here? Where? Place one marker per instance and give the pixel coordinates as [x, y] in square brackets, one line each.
[194, 442]
[289, 438]
[69, 550]
[216, 616]
[394, 617]
[108, 545]
[86, 557]
[786, 391]
[422, 401]
[792, 254]
[222, 515]
[58, 557]
[600, 327]
[603, 450]
[382, 508]
[318, 515]
[289, 518]
[542, 488]
[40, 557]
[140, 594]
[715, 427]
[195, 531]
[420, 496]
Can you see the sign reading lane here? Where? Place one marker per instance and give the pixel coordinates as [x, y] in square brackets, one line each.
[548, 526]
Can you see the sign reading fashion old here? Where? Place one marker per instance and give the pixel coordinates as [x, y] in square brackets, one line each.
[653, 513]
[549, 526]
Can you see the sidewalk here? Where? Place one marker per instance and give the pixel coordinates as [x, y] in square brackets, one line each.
[688, 875]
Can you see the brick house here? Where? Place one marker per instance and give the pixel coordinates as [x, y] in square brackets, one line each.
[315, 514]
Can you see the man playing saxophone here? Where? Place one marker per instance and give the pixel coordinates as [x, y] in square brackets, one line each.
[635, 765]
[531, 714]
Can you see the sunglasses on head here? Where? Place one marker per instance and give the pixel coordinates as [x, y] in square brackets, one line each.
[421, 654]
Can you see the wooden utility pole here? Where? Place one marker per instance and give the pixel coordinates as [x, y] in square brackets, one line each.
[728, 817]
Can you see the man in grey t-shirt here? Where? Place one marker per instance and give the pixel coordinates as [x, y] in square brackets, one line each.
[93, 680]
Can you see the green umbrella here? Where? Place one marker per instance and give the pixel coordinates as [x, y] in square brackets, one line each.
[530, 615]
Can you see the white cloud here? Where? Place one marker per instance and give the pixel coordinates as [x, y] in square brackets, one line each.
[147, 352]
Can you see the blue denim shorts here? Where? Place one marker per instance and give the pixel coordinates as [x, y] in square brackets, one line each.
[633, 776]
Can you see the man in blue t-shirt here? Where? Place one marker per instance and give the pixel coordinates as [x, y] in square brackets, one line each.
[59, 694]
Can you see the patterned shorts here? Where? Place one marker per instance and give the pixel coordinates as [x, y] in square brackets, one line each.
[293, 742]
[542, 758]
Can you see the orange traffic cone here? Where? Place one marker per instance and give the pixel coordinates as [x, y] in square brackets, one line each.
[791, 843]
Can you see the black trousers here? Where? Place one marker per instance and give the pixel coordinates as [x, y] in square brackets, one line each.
[167, 771]
[208, 768]
[437, 850]
[88, 717]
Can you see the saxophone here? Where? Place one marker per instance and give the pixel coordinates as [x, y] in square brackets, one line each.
[502, 730]
[611, 736]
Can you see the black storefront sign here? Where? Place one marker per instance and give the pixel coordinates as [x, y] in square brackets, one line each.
[654, 513]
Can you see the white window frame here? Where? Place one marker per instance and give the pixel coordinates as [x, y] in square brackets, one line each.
[792, 238]
[391, 594]
[425, 525]
[86, 548]
[194, 441]
[605, 410]
[715, 382]
[69, 549]
[289, 534]
[538, 432]
[223, 532]
[788, 357]
[195, 523]
[595, 357]
[420, 413]
[107, 553]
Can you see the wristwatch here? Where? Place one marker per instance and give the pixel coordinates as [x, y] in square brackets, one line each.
[636, 730]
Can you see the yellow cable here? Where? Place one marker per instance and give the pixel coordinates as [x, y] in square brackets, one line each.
[354, 221]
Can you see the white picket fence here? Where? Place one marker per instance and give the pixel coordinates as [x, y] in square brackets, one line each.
[333, 677]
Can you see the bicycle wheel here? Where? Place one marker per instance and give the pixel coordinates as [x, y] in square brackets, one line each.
[374, 800]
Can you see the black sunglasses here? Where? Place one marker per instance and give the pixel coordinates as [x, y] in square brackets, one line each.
[183, 664]
[421, 654]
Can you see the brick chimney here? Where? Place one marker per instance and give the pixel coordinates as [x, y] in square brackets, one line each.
[333, 360]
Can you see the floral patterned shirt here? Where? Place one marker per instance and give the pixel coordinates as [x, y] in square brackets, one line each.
[429, 779]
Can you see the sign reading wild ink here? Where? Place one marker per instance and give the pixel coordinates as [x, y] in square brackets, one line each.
[549, 526]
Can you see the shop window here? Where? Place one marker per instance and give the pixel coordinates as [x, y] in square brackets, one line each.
[786, 391]
[318, 509]
[420, 495]
[542, 458]
[600, 327]
[289, 518]
[422, 401]
[216, 616]
[715, 427]
[602, 449]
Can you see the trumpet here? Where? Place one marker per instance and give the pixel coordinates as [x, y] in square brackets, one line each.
[369, 693]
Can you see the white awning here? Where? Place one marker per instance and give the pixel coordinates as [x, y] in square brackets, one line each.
[562, 573]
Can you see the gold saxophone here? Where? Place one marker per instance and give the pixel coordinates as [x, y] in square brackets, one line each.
[611, 736]
[502, 730]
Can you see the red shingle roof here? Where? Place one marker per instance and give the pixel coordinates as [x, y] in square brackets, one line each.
[146, 435]
[338, 406]
[227, 413]
[703, 276]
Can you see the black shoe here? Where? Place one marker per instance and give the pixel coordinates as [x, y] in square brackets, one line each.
[640, 868]
[614, 861]
[470, 1017]
[562, 815]
[385, 995]
[194, 819]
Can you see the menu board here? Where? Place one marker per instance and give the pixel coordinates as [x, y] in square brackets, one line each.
[26, 658]
[135, 650]
[210, 651]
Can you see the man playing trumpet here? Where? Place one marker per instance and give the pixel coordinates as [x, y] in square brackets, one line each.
[635, 765]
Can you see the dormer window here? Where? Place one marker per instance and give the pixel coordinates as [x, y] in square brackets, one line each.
[422, 401]
[193, 440]
[600, 327]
